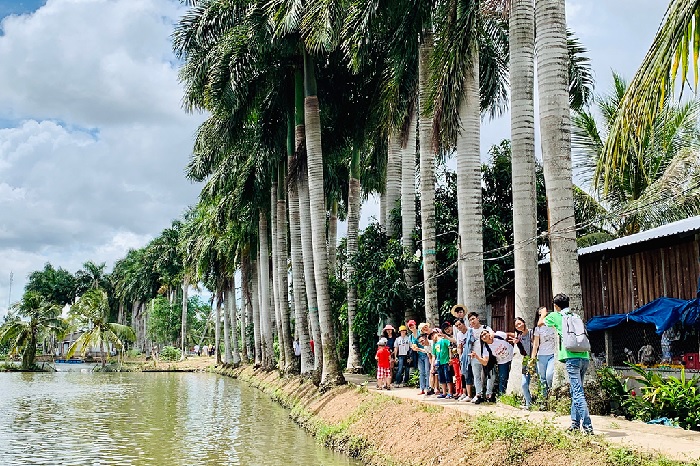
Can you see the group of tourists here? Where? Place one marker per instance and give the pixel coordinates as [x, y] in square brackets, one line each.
[462, 359]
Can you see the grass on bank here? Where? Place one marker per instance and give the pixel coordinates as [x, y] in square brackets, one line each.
[522, 440]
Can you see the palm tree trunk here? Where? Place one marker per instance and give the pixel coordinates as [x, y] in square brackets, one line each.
[522, 75]
[354, 205]
[246, 308]
[471, 260]
[286, 340]
[183, 321]
[332, 237]
[408, 206]
[254, 293]
[427, 183]
[301, 323]
[392, 191]
[301, 306]
[331, 373]
[268, 360]
[382, 208]
[555, 128]
[274, 267]
[233, 309]
[217, 325]
[121, 317]
[228, 357]
[306, 240]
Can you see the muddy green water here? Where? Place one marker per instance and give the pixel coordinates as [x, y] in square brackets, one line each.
[74, 418]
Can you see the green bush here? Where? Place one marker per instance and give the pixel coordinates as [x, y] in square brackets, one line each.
[170, 353]
[615, 390]
[674, 398]
[671, 397]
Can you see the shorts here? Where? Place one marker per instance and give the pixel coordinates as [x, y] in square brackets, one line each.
[383, 372]
[444, 373]
[469, 378]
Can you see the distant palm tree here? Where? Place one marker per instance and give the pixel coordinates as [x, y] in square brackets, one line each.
[91, 313]
[23, 335]
[657, 181]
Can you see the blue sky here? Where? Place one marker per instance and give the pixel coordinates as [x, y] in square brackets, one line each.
[93, 139]
[18, 7]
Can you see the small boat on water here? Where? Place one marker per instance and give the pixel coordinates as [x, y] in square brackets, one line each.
[69, 361]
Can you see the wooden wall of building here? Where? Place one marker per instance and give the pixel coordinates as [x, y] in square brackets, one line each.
[621, 280]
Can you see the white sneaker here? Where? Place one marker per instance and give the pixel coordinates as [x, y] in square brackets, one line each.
[466, 399]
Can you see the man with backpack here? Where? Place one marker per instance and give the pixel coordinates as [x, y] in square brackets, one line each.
[573, 351]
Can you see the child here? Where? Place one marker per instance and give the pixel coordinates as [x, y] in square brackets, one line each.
[383, 358]
[441, 352]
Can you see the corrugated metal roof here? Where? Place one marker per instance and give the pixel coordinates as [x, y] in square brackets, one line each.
[681, 226]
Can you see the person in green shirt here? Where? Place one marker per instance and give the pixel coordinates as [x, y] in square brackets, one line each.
[441, 351]
[576, 367]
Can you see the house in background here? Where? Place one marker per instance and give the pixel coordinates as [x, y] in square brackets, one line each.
[621, 275]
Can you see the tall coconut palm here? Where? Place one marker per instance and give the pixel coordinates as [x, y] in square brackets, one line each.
[408, 203]
[43, 319]
[91, 314]
[332, 373]
[233, 309]
[522, 121]
[658, 182]
[354, 357]
[301, 308]
[427, 179]
[469, 69]
[286, 347]
[555, 127]
[670, 52]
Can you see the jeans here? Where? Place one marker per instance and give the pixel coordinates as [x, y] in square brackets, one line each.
[503, 374]
[545, 369]
[478, 372]
[576, 369]
[423, 371]
[525, 384]
[401, 370]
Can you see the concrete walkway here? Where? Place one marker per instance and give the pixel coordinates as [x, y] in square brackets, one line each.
[674, 443]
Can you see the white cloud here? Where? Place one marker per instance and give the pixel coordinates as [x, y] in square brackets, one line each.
[95, 140]
[91, 62]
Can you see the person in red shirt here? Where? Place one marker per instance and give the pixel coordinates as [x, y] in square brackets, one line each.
[383, 358]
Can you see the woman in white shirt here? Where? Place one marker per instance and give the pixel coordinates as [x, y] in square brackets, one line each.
[543, 349]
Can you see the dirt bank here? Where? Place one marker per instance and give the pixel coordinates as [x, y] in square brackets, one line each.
[380, 429]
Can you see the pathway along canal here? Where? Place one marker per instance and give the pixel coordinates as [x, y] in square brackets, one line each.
[74, 418]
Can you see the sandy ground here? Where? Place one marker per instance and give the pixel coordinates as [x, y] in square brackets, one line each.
[678, 444]
[190, 364]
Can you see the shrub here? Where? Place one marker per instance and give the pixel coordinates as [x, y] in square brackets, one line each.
[615, 390]
[170, 353]
[671, 397]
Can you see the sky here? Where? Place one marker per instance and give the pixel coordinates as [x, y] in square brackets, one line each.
[94, 141]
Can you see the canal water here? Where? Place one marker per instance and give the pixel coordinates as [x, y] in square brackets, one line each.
[83, 418]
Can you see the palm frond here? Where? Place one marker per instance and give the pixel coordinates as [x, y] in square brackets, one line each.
[652, 83]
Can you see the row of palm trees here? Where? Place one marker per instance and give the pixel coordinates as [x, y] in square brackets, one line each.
[296, 89]
[379, 71]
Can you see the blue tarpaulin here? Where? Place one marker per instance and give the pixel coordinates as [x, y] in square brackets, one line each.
[662, 312]
[690, 312]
